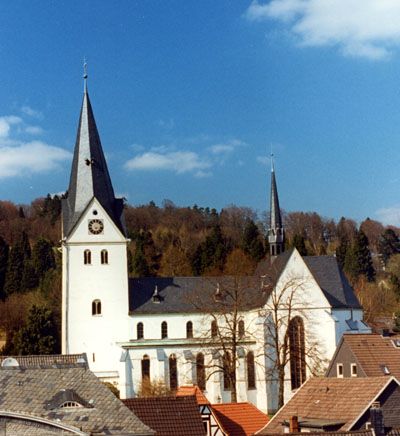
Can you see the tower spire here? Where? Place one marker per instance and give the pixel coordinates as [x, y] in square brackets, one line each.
[89, 174]
[276, 233]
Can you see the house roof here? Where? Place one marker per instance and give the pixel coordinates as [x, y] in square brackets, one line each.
[332, 281]
[341, 399]
[89, 175]
[336, 433]
[374, 353]
[195, 391]
[169, 416]
[42, 392]
[239, 419]
[191, 294]
[50, 360]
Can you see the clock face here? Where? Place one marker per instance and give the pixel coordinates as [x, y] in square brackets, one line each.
[96, 226]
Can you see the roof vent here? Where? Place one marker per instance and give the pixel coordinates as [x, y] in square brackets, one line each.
[396, 343]
[10, 362]
[385, 369]
[218, 294]
[156, 296]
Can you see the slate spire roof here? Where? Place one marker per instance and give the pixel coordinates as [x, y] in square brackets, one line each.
[276, 233]
[89, 174]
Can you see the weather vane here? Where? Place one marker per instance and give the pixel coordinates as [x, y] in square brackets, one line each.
[85, 76]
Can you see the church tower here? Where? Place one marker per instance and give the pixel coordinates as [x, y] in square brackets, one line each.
[94, 254]
[276, 232]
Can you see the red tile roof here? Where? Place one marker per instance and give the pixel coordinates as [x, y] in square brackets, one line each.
[341, 399]
[168, 416]
[239, 419]
[193, 390]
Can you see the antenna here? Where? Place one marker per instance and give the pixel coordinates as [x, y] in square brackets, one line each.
[85, 75]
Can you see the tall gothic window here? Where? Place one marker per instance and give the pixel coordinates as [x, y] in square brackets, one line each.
[104, 257]
[96, 307]
[241, 328]
[87, 257]
[226, 363]
[297, 352]
[164, 330]
[173, 373]
[139, 330]
[145, 368]
[214, 329]
[251, 373]
[200, 372]
[189, 329]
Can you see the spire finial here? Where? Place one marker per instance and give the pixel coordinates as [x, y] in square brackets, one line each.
[85, 76]
[272, 160]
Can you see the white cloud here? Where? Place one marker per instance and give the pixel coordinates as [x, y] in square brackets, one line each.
[5, 124]
[359, 28]
[176, 161]
[221, 148]
[30, 157]
[34, 130]
[27, 110]
[389, 215]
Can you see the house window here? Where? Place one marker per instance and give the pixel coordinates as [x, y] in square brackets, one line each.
[173, 373]
[145, 368]
[200, 372]
[354, 370]
[226, 364]
[87, 257]
[164, 330]
[214, 329]
[70, 404]
[241, 328]
[297, 352]
[104, 257]
[96, 307]
[139, 330]
[339, 370]
[251, 375]
[189, 329]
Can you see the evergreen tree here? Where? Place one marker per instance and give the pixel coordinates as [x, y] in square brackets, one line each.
[252, 244]
[299, 243]
[39, 335]
[3, 265]
[358, 259]
[30, 279]
[42, 257]
[388, 245]
[139, 263]
[21, 212]
[341, 250]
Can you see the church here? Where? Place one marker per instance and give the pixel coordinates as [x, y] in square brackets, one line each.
[188, 330]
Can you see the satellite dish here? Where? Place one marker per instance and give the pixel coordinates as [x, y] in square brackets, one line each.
[9, 362]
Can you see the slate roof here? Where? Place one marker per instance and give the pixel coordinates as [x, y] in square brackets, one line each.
[169, 416]
[195, 391]
[341, 399]
[41, 391]
[239, 419]
[190, 294]
[49, 360]
[275, 221]
[335, 433]
[332, 281]
[89, 175]
[374, 352]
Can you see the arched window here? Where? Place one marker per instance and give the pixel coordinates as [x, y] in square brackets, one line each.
[87, 257]
[173, 373]
[164, 330]
[104, 257]
[226, 361]
[251, 374]
[297, 352]
[189, 329]
[241, 328]
[96, 307]
[214, 329]
[200, 372]
[145, 368]
[139, 330]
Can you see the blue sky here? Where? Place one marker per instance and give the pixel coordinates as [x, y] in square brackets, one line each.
[190, 96]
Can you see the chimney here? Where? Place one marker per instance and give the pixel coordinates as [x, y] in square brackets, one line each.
[376, 417]
[294, 425]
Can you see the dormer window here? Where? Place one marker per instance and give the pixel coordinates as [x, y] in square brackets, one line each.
[68, 399]
[70, 405]
[339, 370]
[354, 370]
[87, 257]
